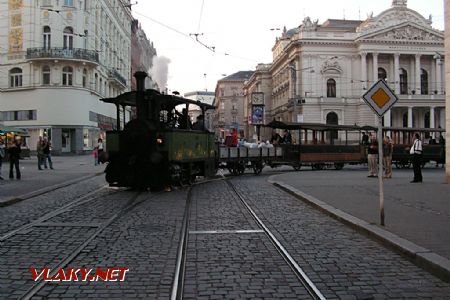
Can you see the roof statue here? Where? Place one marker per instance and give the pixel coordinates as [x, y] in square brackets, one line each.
[399, 3]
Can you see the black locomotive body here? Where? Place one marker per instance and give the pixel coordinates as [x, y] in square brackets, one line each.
[159, 148]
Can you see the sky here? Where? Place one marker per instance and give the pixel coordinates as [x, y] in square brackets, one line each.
[241, 32]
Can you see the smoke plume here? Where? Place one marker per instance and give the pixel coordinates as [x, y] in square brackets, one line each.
[159, 71]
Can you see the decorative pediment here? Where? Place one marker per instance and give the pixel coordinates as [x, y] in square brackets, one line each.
[406, 33]
[332, 66]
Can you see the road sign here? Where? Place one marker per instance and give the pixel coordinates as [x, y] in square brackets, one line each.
[380, 97]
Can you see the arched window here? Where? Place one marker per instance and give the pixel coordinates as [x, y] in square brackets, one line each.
[15, 77]
[423, 82]
[84, 78]
[382, 74]
[403, 82]
[332, 119]
[331, 88]
[68, 38]
[67, 76]
[47, 37]
[45, 75]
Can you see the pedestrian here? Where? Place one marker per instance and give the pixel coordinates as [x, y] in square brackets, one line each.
[276, 138]
[287, 137]
[40, 152]
[100, 151]
[416, 152]
[14, 156]
[388, 148]
[95, 154]
[46, 149]
[199, 124]
[2, 155]
[372, 154]
[365, 139]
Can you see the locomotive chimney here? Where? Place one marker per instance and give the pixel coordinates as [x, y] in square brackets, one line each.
[141, 104]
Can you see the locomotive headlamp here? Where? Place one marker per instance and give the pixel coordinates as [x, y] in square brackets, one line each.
[159, 140]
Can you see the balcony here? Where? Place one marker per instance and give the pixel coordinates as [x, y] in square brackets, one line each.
[62, 53]
[115, 76]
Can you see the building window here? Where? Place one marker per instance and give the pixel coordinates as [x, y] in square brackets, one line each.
[47, 37]
[85, 39]
[46, 75]
[403, 82]
[68, 38]
[382, 74]
[84, 78]
[15, 77]
[67, 76]
[96, 82]
[331, 88]
[332, 119]
[19, 115]
[423, 82]
[68, 2]
[46, 2]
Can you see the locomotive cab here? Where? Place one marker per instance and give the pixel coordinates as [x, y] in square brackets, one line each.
[158, 148]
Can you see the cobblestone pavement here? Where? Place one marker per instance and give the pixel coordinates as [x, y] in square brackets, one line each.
[341, 262]
[220, 265]
[26, 211]
[145, 240]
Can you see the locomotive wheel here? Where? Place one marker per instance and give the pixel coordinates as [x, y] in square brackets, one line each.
[257, 167]
[297, 167]
[338, 166]
[318, 166]
[241, 168]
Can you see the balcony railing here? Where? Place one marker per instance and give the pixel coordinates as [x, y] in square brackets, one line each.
[113, 74]
[62, 53]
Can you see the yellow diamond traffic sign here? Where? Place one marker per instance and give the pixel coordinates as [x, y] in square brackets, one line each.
[380, 97]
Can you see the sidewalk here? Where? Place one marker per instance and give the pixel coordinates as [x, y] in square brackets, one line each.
[417, 216]
[67, 169]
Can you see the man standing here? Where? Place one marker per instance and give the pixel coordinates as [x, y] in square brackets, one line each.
[2, 155]
[14, 156]
[40, 153]
[416, 152]
[46, 147]
[372, 154]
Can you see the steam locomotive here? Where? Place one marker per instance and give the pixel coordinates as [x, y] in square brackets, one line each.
[159, 148]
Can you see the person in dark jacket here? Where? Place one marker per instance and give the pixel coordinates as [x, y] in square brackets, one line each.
[14, 156]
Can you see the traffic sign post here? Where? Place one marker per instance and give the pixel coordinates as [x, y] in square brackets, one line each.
[380, 98]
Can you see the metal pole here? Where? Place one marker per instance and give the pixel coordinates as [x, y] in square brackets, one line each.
[380, 168]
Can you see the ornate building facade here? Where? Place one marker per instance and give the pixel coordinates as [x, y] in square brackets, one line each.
[447, 72]
[229, 101]
[58, 57]
[320, 71]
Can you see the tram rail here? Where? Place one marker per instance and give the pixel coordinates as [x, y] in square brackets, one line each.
[178, 283]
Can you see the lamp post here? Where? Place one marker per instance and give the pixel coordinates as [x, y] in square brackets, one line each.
[295, 96]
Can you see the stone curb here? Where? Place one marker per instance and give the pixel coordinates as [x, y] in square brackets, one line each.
[422, 257]
[12, 200]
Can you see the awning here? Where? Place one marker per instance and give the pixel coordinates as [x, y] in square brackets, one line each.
[15, 130]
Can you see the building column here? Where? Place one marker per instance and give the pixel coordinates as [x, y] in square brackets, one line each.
[432, 117]
[396, 73]
[387, 119]
[410, 117]
[375, 67]
[418, 83]
[438, 75]
[364, 69]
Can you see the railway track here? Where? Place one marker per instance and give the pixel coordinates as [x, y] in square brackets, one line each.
[132, 202]
[178, 283]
